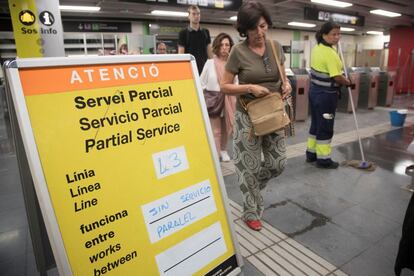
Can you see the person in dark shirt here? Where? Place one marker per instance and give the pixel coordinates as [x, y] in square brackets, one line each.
[195, 40]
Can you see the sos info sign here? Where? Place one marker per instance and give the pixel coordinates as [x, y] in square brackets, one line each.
[124, 166]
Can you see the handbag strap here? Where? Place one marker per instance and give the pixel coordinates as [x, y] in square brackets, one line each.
[282, 73]
[243, 103]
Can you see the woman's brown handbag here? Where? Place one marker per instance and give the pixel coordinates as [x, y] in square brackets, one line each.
[268, 113]
[214, 102]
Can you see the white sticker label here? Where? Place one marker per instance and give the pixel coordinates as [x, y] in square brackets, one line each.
[176, 211]
[194, 253]
[170, 162]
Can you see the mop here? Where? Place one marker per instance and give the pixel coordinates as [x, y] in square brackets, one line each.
[359, 164]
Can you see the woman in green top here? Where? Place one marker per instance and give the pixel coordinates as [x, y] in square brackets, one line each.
[253, 62]
[326, 79]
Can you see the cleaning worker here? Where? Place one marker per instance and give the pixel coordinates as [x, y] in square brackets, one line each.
[326, 80]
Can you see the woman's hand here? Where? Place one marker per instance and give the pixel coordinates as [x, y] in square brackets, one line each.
[286, 90]
[258, 90]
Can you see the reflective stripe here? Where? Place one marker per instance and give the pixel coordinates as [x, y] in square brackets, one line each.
[320, 74]
[324, 157]
[322, 79]
[311, 144]
[323, 151]
[324, 142]
[321, 83]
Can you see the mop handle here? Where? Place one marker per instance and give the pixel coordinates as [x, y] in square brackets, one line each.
[352, 102]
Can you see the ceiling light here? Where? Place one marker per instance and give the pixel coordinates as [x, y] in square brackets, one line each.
[300, 24]
[169, 13]
[374, 33]
[332, 3]
[233, 18]
[80, 8]
[345, 29]
[386, 13]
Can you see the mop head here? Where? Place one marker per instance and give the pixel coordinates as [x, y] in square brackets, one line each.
[362, 165]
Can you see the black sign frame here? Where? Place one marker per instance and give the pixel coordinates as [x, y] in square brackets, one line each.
[228, 5]
[96, 27]
[341, 18]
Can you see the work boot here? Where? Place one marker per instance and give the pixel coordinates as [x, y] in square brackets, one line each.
[330, 165]
[310, 157]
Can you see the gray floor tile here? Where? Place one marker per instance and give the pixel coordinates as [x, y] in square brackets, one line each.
[12, 244]
[10, 184]
[358, 186]
[391, 205]
[10, 202]
[389, 244]
[8, 163]
[364, 223]
[327, 205]
[250, 270]
[31, 268]
[370, 263]
[13, 268]
[333, 243]
[12, 220]
[290, 218]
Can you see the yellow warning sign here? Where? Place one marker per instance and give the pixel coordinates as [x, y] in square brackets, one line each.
[129, 169]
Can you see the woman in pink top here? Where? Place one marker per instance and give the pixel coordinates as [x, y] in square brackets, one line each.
[221, 119]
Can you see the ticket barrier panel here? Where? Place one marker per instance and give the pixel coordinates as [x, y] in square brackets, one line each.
[386, 88]
[392, 79]
[368, 90]
[373, 90]
[301, 95]
[364, 84]
[344, 104]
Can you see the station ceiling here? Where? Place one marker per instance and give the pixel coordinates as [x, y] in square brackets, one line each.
[282, 12]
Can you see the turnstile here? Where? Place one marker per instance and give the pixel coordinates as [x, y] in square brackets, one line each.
[373, 89]
[344, 104]
[301, 94]
[368, 89]
[386, 88]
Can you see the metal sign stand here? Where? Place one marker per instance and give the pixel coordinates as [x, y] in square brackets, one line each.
[40, 241]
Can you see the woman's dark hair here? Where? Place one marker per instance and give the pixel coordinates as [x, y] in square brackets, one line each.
[249, 15]
[217, 42]
[325, 29]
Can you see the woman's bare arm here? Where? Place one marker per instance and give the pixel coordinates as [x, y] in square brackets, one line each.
[227, 86]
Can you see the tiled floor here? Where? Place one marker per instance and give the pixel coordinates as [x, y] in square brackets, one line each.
[317, 222]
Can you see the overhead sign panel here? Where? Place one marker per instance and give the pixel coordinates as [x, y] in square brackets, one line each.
[97, 27]
[209, 4]
[124, 163]
[340, 18]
